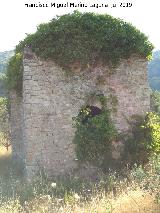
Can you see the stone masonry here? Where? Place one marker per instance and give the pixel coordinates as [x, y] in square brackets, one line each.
[52, 96]
[16, 120]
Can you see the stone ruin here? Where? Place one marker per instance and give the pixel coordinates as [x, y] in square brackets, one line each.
[41, 119]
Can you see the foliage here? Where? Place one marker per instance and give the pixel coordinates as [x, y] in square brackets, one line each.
[85, 38]
[4, 121]
[3, 89]
[152, 123]
[93, 138]
[144, 139]
[3, 113]
[15, 72]
[155, 101]
[94, 96]
[149, 178]
[136, 140]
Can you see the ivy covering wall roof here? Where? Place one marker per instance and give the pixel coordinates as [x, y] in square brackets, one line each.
[84, 38]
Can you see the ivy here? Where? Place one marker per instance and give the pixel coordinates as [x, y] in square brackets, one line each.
[94, 136]
[85, 38]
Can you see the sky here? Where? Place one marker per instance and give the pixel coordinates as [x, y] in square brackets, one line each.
[17, 20]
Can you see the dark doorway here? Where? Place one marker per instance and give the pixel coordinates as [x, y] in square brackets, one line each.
[89, 112]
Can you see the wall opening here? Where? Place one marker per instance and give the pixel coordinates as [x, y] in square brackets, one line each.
[89, 111]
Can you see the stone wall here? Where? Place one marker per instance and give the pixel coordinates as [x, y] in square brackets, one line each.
[16, 120]
[52, 96]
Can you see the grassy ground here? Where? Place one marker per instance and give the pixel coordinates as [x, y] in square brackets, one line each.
[136, 191]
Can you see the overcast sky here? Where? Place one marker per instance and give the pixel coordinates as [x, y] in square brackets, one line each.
[16, 19]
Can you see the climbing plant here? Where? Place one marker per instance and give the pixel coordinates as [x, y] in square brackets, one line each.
[93, 136]
[81, 37]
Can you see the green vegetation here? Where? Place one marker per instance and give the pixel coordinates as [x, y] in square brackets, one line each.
[155, 101]
[152, 126]
[3, 89]
[144, 139]
[86, 38]
[4, 122]
[15, 72]
[94, 133]
[136, 142]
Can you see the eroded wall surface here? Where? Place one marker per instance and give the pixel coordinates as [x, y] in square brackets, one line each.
[51, 97]
[16, 122]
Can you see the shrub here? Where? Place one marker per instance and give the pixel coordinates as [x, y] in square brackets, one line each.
[86, 37]
[155, 101]
[15, 72]
[144, 139]
[152, 123]
[148, 178]
[93, 138]
[4, 121]
[135, 145]
[81, 37]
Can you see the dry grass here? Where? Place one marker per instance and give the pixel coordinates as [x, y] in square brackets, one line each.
[4, 153]
[135, 201]
[109, 195]
[5, 160]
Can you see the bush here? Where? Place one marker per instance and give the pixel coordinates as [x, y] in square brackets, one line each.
[155, 101]
[86, 37]
[136, 139]
[81, 37]
[15, 72]
[4, 121]
[93, 138]
[148, 179]
[152, 127]
[144, 139]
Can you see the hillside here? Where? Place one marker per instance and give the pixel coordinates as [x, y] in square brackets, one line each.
[154, 71]
[4, 57]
